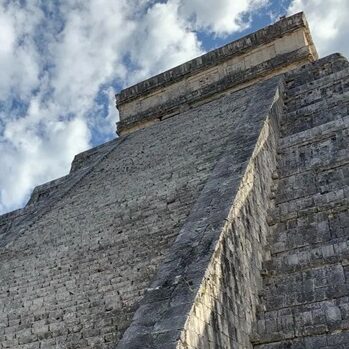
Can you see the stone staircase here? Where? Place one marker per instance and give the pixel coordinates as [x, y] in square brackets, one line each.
[305, 296]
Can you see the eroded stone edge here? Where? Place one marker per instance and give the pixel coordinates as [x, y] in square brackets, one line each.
[162, 316]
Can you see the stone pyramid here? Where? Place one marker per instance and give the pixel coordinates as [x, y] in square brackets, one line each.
[217, 219]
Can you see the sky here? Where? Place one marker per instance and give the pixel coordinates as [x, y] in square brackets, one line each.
[61, 62]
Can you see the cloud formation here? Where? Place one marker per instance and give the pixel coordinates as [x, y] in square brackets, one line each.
[19, 60]
[61, 62]
[220, 17]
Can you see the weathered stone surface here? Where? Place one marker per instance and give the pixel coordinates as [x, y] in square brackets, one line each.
[305, 293]
[199, 268]
[76, 274]
[223, 224]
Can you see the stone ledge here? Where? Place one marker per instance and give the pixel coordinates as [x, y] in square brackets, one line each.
[218, 56]
[273, 50]
[237, 80]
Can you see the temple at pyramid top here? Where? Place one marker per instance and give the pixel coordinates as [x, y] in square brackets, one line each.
[272, 50]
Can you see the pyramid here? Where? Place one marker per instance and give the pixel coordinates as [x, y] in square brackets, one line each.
[218, 218]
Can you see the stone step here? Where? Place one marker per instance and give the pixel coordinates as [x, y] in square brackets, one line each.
[314, 134]
[317, 107]
[333, 201]
[340, 89]
[326, 152]
[313, 319]
[337, 340]
[311, 182]
[313, 115]
[310, 256]
[310, 230]
[316, 70]
[325, 81]
[305, 286]
[306, 281]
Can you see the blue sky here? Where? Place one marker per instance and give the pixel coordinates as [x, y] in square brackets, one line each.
[61, 63]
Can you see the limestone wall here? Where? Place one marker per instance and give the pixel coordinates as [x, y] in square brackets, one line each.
[204, 229]
[75, 262]
[225, 307]
[276, 265]
[168, 304]
[306, 285]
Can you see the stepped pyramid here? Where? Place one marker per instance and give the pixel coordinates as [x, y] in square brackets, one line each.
[217, 219]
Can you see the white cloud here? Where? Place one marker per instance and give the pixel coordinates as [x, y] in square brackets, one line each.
[18, 58]
[89, 51]
[328, 20]
[219, 16]
[59, 61]
[32, 159]
[162, 39]
[61, 80]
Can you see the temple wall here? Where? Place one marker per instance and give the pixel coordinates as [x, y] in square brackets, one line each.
[261, 55]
